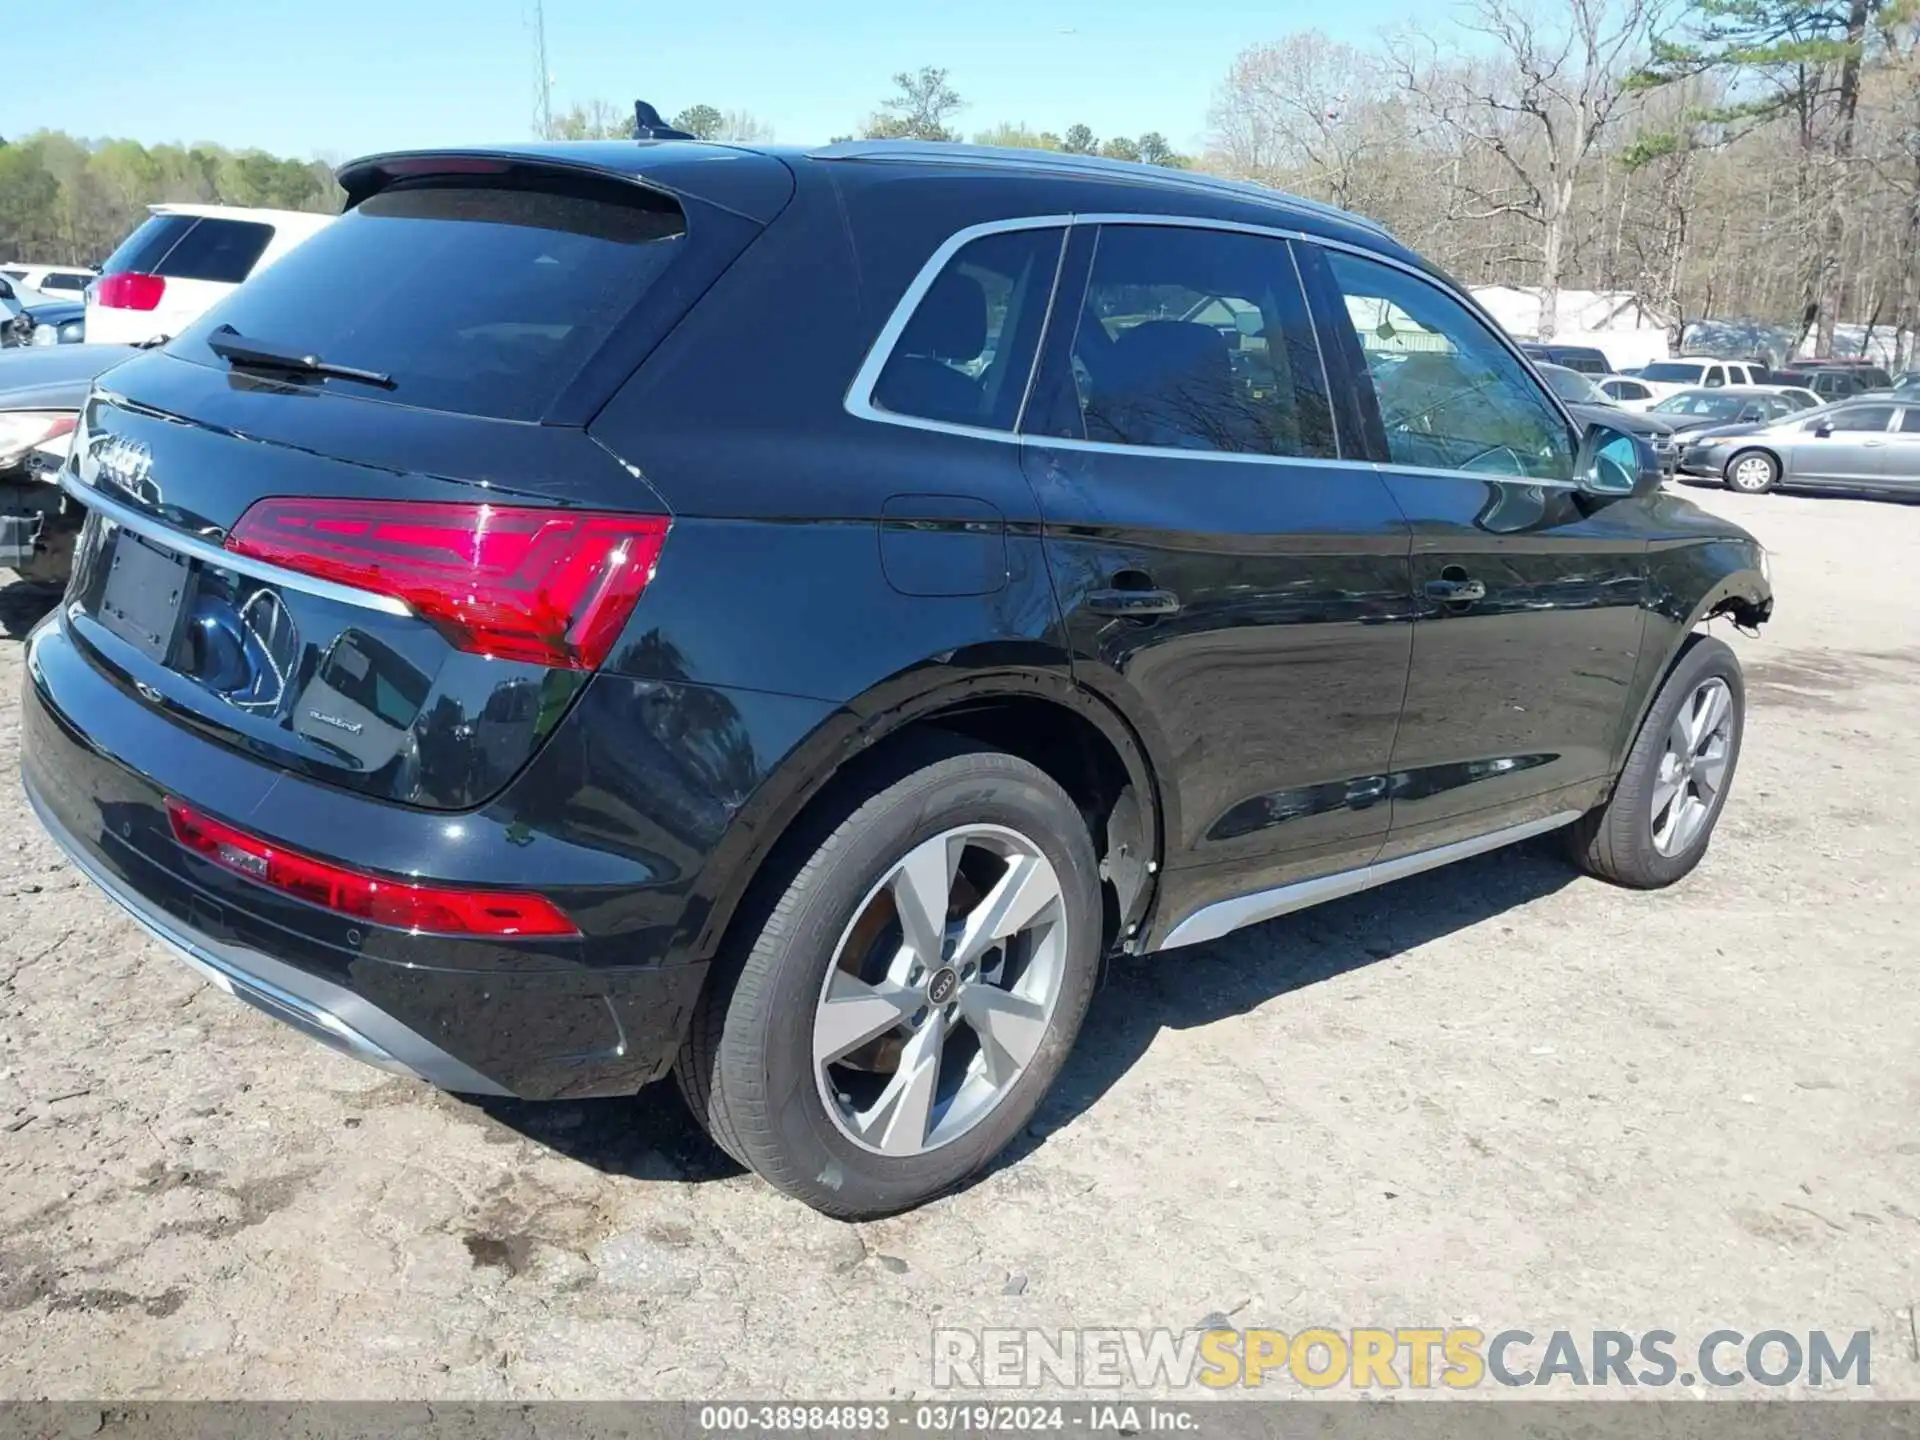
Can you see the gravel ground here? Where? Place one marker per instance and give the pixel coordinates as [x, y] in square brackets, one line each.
[1497, 1095]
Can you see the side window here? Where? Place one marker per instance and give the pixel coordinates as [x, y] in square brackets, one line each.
[1451, 396]
[1715, 377]
[1861, 417]
[1197, 339]
[1910, 422]
[967, 350]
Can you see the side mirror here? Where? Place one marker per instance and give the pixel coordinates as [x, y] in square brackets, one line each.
[1823, 429]
[1613, 463]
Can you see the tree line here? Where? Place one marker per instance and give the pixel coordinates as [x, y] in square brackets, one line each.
[65, 201]
[1753, 160]
[1737, 159]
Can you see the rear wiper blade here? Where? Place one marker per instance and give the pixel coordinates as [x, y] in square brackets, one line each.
[229, 343]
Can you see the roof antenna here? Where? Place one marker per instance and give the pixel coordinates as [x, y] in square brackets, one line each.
[647, 125]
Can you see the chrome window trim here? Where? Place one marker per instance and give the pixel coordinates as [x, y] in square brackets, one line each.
[207, 553]
[859, 397]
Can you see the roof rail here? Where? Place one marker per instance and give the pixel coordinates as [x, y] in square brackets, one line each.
[1100, 167]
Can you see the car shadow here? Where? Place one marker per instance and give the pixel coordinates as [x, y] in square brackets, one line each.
[22, 604]
[652, 1136]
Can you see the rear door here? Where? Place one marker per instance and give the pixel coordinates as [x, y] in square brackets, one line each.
[1902, 468]
[1234, 583]
[1529, 591]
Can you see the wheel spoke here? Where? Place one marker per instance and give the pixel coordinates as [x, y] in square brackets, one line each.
[1688, 813]
[900, 1119]
[1680, 735]
[1711, 708]
[921, 887]
[1709, 772]
[1010, 1028]
[855, 1012]
[1664, 791]
[1020, 897]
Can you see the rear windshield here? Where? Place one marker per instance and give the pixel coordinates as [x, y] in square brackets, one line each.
[192, 247]
[1668, 371]
[477, 299]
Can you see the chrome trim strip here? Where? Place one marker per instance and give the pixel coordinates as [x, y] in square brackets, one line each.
[1224, 916]
[208, 553]
[325, 1012]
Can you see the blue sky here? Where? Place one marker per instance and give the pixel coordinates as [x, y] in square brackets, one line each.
[349, 76]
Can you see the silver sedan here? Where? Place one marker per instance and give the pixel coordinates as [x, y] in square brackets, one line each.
[1862, 444]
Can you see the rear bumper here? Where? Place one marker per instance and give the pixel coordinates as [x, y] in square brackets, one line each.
[331, 1014]
[505, 1019]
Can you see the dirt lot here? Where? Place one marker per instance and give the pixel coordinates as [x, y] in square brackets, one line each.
[1497, 1095]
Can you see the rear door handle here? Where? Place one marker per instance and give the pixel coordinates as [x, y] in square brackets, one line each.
[1133, 604]
[1456, 592]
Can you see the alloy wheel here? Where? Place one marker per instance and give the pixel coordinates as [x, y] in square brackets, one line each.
[1693, 766]
[941, 990]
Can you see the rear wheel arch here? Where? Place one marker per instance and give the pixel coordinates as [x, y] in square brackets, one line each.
[1040, 716]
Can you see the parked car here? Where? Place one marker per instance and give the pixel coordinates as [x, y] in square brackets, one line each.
[14, 325]
[1689, 411]
[1584, 358]
[61, 282]
[181, 261]
[1830, 382]
[1665, 377]
[56, 322]
[1625, 391]
[1590, 405]
[1855, 445]
[802, 687]
[41, 392]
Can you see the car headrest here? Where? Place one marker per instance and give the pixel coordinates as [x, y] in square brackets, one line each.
[950, 323]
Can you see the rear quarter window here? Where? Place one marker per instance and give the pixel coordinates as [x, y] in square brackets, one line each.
[477, 299]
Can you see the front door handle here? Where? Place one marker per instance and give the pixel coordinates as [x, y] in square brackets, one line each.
[1456, 592]
[1133, 604]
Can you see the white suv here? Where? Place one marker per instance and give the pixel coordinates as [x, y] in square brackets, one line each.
[181, 261]
[1691, 372]
[56, 282]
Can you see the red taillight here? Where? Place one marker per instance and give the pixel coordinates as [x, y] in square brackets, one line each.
[551, 586]
[129, 291]
[405, 906]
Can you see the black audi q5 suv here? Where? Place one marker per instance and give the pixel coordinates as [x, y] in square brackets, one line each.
[784, 617]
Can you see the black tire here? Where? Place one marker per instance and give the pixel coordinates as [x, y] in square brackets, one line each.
[1615, 841]
[746, 1067]
[1763, 479]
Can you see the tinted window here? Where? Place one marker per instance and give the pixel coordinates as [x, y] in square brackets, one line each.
[1910, 422]
[1861, 417]
[220, 250]
[187, 247]
[1195, 339]
[1572, 386]
[64, 282]
[1587, 362]
[1699, 402]
[967, 351]
[1451, 395]
[1670, 372]
[14, 274]
[477, 299]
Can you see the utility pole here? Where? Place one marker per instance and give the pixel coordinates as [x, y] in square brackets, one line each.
[542, 80]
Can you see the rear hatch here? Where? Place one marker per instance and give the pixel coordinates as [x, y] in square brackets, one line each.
[350, 522]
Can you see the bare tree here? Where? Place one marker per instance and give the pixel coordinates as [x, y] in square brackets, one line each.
[1288, 110]
[919, 110]
[1534, 112]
